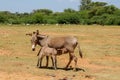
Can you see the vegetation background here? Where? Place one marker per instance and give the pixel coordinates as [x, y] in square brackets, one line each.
[89, 13]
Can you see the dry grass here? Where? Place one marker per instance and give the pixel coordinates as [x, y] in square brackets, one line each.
[100, 46]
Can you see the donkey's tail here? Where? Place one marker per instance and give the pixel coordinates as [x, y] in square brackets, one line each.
[80, 52]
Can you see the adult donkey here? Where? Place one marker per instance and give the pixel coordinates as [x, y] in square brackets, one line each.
[65, 43]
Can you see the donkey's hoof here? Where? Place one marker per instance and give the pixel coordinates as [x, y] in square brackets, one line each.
[66, 69]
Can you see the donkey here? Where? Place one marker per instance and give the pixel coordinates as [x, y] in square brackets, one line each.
[68, 43]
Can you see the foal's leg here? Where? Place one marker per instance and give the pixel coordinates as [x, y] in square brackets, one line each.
[39, 52]
[39, 61]
[54, 61]
[47, 61]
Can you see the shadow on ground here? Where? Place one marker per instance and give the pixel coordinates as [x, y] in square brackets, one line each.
[68, 69]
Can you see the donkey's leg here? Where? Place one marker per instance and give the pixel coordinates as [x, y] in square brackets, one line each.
[70, 59]
[75, 60]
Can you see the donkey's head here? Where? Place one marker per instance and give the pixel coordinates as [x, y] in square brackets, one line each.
[36, 38]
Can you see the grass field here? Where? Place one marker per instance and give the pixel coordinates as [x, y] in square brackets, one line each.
[100, 46]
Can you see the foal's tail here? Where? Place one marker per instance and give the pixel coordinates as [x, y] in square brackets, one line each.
[80, 52]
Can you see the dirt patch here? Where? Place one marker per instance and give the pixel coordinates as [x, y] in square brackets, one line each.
[27, 76]
[116, 59]
[21, 76]
[3, 32]
[5, 52]
[74, 77]
[94, 67]
[8, 31]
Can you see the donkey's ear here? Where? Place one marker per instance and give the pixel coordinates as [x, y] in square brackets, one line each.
[34, 32]
[37, 32]
[29, 34]
[41, 36]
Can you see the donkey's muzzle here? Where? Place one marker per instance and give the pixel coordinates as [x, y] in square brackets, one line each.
[33, 49]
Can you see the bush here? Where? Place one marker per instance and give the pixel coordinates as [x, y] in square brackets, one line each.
[3, 19]
[68, 18]
[51, 21]
[37, 18]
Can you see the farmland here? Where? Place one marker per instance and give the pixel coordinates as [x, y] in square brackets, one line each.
[100, 46]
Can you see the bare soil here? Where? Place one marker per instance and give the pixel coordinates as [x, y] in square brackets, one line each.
[85, 63]
[100, 45]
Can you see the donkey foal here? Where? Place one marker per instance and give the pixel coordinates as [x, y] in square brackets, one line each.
[47, 51]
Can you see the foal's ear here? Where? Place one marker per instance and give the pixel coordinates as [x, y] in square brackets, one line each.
[29, 34]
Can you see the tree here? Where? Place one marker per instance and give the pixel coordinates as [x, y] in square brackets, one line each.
[3, 19]
[69, 10]
[93, 5]
[43, 11]
[110, 9]
[117, 12]
[85, 4]
[100, 8]
[68, 18]
[37, 18]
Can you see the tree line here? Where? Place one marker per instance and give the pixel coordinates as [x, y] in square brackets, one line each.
[89, 13]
